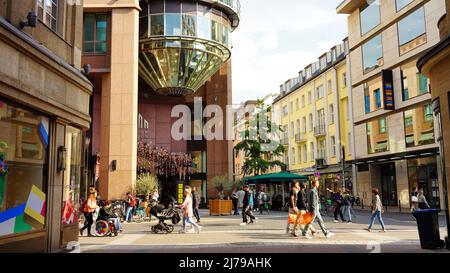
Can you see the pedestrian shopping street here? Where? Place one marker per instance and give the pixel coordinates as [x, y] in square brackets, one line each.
[224, 234]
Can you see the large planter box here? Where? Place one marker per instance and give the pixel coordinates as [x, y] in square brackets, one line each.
[220, 207]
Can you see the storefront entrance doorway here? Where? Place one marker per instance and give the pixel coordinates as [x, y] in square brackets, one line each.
[388, 184]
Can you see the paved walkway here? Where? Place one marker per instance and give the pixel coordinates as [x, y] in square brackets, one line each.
[224, 234]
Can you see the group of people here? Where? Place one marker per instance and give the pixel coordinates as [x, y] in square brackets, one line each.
[418, 200]
[258, 201]
[343, 200]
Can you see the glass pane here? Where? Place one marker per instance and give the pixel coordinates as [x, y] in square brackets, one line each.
[370, 16]
[402, 3]
[72, 176]
[216, 31]
[89, 22]
[100, 34]
[204, 27]
[423, 84]
[143, 27]
[419, 128]
[156, 6]
[367, 103]
[157, 25]
[173, 24]
[411, 26]
[377, 98]
[24, 140]
[372, 54]
[100, 47]
[88, 47]
[189, 25]
[377, 136]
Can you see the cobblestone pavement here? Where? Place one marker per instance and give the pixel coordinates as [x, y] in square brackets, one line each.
[224, 234]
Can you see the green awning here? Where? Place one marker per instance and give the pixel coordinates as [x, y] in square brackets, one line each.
[274, 177]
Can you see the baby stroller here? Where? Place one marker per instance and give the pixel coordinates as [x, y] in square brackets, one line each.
[163, 214]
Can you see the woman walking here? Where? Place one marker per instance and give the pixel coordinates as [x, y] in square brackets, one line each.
[188, 211]
[88, 209]
[377, 210]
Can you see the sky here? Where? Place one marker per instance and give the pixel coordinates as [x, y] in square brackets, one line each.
[277, 39]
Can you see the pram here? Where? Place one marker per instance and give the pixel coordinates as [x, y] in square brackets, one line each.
[163, 214]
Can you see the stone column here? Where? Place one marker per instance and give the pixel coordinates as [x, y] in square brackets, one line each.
[119, 107]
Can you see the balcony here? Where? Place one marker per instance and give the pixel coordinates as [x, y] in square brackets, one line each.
[319, 130]
[300, 138]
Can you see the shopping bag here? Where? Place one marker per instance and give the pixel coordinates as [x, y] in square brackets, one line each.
[292, 217]
[301, 220]
[307, 218]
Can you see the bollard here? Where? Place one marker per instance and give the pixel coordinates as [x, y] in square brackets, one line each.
[400, 206]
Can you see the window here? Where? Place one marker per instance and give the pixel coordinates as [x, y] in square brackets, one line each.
[333, 146]
[95, 29]
[305, 154]
[311, 151]
[349, 143]
[189, 24]
[24, 141]
[157, 25]
[204, 28]
[48, 13]
[304, 124]
[331, 113]
[366, 99]
[405, 90]
[309, 97]
[369, 15]
[347, 109]
[402, 3]
[423, 84]
[292, 129]
[382, 125]
[419, 126]
[72, 177]
[293, 156]
[377, 96]
[285, 110]
[299, 155]
[411, 31]
[344, 79]
[298, 126]
[173, 24]
[311, 122]
[372, 52]
[291, 107]
[330, 88]
[303, 101]
[321, 149]
[377, 142]
[296, 104]
[320, 92]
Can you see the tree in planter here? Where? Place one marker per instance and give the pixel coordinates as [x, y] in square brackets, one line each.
[146, 183]
[259, 144]
[220, 182]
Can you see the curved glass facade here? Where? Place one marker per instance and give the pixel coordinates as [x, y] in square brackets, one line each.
[182, 43]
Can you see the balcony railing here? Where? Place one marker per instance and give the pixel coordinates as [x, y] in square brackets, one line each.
[319, 130]
[300, 137]
[321, 162]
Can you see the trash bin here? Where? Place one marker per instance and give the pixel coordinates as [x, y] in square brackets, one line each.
[428, 225]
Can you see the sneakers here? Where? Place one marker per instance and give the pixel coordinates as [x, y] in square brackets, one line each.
[383, 230]
[307, 236]
[313, 233]
[294, 234]
[243, 224]
[329, 234]
[335, 221]
[368, 229]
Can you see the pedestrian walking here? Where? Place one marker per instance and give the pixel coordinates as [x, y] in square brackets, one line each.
[89, 207]
[339, 202]
[130, 204]
[188, 211]
[302, 207]
[422, 200]
[292, 203]
[234, 199]
[196, 204]
[314, 209]
[414, 200]
[347, 208]
[246, 210]
[261, 202]
[377, 210]
[240, 194]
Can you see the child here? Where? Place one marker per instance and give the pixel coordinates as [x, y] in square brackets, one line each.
[106, 214]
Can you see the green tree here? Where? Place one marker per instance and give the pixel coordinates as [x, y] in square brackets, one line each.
[257, 137]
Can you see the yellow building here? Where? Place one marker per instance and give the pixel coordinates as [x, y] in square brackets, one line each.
[313, 110]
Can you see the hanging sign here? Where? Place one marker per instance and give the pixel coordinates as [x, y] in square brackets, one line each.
[388, 89]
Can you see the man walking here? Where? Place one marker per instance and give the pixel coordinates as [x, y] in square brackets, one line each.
[240, 194]
[234, 198]
[313, 207]
[292, 204]
[302, 207]
[246, 210]
[196, 204]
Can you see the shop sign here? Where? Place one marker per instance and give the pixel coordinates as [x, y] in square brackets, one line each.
[388, 89]
[180, 191]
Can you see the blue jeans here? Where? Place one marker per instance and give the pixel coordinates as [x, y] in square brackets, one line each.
[189, 220]
[128, 214]
[347, 213]
[376, 214]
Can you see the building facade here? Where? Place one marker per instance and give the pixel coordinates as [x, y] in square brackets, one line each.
[174, 52]
[44, 114]
[314, 111]
[395, 130]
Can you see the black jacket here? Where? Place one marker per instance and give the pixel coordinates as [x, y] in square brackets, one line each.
[246, 200]
[195, 199]
[105, 214]
[302, 200]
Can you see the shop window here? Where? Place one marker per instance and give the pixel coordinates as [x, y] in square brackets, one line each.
[24, 140]
[95, 33]
[422, 174]
[72, 176]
